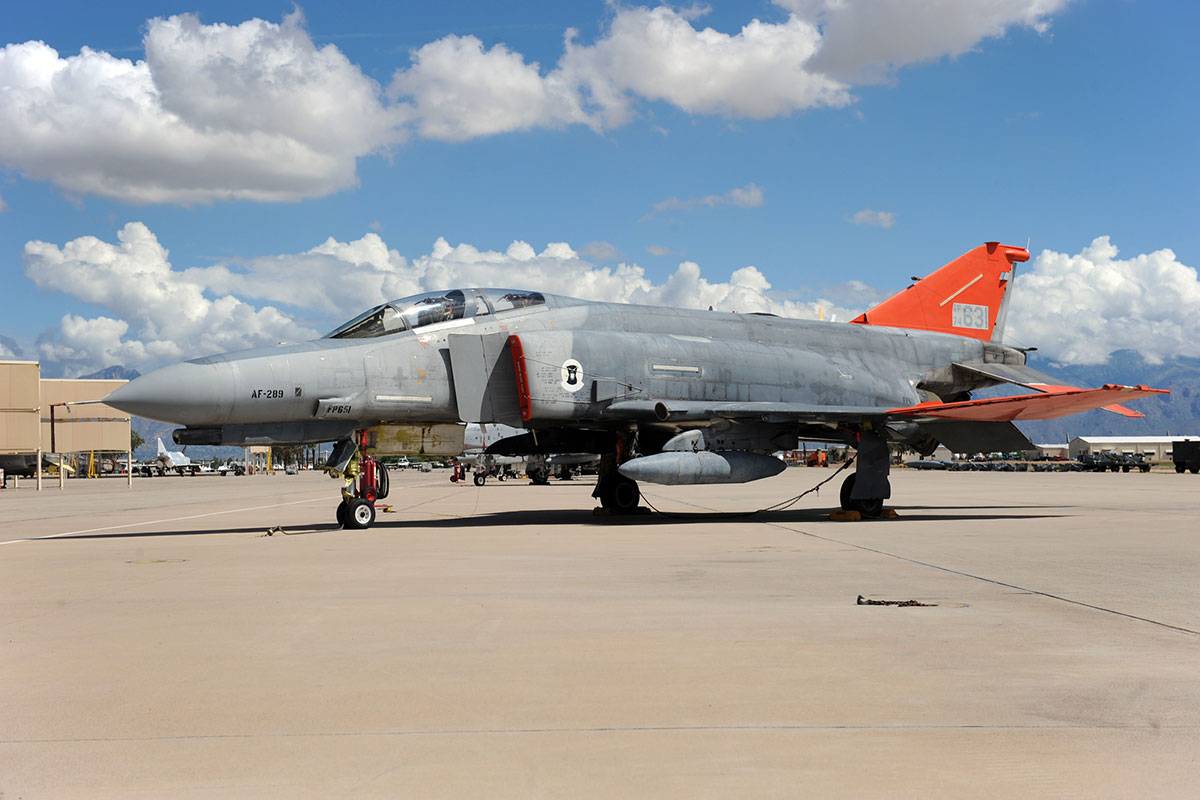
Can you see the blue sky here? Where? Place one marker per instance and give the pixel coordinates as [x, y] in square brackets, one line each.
[836, 149]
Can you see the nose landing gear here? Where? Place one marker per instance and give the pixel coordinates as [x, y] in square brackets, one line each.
[366, 481]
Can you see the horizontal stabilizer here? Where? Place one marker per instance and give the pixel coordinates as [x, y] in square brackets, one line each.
[1030, 378]
[1048, 405]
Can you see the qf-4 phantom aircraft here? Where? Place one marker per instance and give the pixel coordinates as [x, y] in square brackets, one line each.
[662, 395]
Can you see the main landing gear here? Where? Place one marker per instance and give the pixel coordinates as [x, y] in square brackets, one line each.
[366, 482]
[616, 493]
[867, 487]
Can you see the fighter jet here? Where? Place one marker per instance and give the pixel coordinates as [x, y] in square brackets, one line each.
[174, 460]
[662, 395]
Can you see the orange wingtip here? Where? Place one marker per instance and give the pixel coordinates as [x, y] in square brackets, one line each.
[1046, 405]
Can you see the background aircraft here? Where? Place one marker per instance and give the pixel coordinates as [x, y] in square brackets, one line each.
[663, 395]
[477, 437]
[174, 460]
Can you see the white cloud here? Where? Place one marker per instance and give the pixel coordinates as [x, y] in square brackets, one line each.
[257, 111]
[748, 196]
[1080, 308]
[170, 314]
[215, 112]
[9, 349]
[658, 250]
[880, 219]
[156, 313]
[457, 91]
[657, 54]
[600, 251]
[864, 41]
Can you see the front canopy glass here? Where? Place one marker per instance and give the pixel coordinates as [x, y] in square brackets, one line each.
[430, 308]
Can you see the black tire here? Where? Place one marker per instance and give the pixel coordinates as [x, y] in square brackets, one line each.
[538, 476]
[359, 514]
[869, 507]
[383, 481]
[502, 476]
[1180, 468]
[340, 514]
[620, 495]
[480, 479]
[844, 494]
[1125, 468]
[1144, 467]
[1194, 470]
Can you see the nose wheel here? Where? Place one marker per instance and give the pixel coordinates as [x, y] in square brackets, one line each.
[366, 482]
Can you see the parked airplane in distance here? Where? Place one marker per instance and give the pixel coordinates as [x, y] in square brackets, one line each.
[175, 460]
[477, 437]
[662, 395]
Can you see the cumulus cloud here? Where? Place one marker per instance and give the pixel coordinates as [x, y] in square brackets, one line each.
[171, 315]
[658, 54]
[257, 111]
[215, 112]
[811, 59]
[601, 251]
[879, 219]
[457, 90]
[864, 41]
[1081, 308]
[156, 313]
[9, 349]
[748, 196]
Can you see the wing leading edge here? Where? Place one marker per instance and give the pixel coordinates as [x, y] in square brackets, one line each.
[1050, 402]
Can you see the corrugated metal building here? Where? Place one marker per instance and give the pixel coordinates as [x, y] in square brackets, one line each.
[1156, 448]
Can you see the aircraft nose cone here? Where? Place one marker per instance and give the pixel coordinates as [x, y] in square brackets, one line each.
[185, 394]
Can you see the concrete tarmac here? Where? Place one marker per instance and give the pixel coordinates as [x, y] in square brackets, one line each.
[504, 642]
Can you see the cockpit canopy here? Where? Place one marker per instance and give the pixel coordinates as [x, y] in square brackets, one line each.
[420, 310]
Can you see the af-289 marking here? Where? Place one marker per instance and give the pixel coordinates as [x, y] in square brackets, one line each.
[266, 394]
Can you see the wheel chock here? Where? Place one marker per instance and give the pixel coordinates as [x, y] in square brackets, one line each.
[387, 509]
[842, 515]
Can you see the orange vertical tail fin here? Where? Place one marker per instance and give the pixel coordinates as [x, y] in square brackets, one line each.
[967, 297]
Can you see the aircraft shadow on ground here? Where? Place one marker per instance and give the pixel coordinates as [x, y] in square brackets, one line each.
[549, 517]
[545, 517]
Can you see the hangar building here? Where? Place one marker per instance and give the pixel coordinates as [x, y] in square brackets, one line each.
[1156, 448]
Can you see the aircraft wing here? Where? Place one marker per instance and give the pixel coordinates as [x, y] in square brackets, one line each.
[1030, 378]
[686, 410]
[1053, 402]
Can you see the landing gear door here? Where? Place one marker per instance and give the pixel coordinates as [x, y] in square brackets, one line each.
[484, 384]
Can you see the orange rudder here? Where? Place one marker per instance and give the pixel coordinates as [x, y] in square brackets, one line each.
[967, 297]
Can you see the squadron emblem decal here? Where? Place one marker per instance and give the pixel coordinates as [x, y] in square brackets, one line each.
[572, 375]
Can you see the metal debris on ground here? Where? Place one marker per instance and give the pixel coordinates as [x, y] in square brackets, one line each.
[863, 601]
[277, 529]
